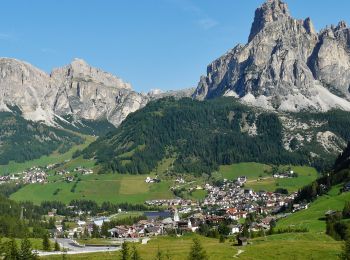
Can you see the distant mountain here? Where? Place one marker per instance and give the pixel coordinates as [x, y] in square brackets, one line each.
[36, 109]
[286, 65]
[77, 91]
[200, 135]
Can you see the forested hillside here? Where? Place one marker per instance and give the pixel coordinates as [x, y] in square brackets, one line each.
[22, 140]
[202, 135]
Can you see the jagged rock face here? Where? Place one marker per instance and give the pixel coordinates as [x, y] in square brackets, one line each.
[19, 86]
[331, 60]
[90, 93]
[76, 89]
[285, 65]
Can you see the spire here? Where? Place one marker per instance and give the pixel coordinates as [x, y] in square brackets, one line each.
[270, 11]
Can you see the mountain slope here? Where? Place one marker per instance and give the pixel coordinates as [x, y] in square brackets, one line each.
[22, 140]
[286, 65]
[202, 135]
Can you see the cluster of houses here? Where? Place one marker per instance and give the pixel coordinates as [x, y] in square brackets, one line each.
[152, 180]
[236, 201]
[83, 170]
[285, 175]
[171, 202]
[33, 175]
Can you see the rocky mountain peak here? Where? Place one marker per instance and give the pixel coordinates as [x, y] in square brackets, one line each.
[342, 25]
[286, 65]
[270, 11]
[80, 70]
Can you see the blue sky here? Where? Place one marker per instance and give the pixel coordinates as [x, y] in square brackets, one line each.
[164, 44]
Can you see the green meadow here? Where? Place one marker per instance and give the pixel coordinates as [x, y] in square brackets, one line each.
[313, 217]
[115, 188]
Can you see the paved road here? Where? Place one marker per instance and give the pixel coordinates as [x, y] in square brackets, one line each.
[73, 248]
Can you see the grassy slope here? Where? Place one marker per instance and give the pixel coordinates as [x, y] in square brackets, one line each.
[108, 187]
[255, 171]
[312, 217]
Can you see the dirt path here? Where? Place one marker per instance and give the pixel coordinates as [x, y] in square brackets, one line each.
[238, 253]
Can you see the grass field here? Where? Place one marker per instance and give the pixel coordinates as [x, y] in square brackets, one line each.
[36, 243]
[107, 187]
[251, 170]
[260, 179]
[312, 217]
[14, 167]
[284, 246]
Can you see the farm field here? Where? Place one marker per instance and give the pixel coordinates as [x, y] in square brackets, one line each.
[115, 188]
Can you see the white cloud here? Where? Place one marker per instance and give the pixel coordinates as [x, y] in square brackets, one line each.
[5, 36]
[207, 23]
[203, 20]
[48, 50]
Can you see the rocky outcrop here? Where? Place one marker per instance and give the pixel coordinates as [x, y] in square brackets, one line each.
[77, 90]
[285, 65]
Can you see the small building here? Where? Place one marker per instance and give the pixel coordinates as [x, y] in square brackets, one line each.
[242, 241]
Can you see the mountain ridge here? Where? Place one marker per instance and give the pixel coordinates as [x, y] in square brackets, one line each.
[76, 89]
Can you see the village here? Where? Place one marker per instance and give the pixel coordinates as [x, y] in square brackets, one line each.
[40, 175]
[227, 203]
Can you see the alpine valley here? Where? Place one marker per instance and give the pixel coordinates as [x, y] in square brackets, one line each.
[258, 152]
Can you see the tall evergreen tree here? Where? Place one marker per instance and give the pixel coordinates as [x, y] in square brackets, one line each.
[57, 246]
[46, 243]
[197, 252]
[95, 231]
[11, 250]
[25, 252]
[124, 253]
[135, 254]
[104, 229]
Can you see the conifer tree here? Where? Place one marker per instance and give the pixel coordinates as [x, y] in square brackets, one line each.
[25, 252]
[197, 252]
[11, 251]
[57, 246]
[135, 254]
[46, 243]
[125, 254]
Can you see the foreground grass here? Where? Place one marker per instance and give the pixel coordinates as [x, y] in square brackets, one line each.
[115, 188]
[293, 246]
[284, 246]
